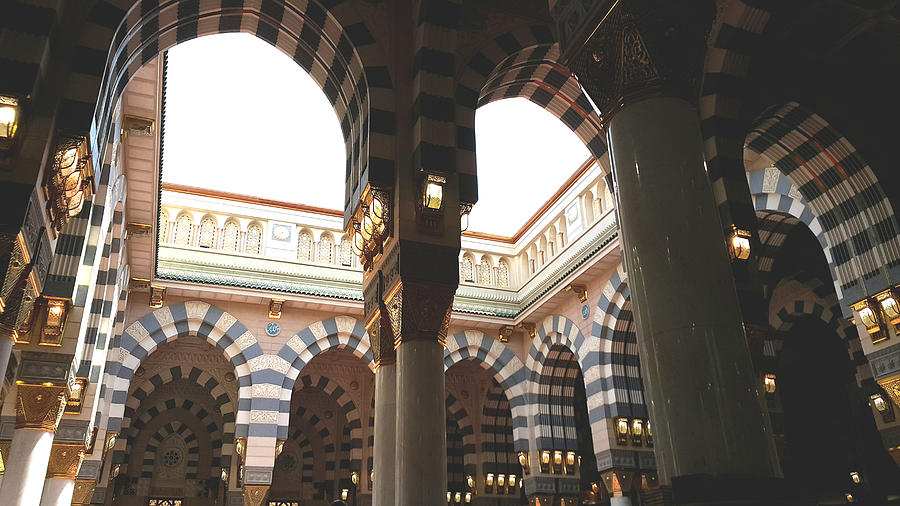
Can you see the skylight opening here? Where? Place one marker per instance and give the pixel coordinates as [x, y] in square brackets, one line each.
[242, 117]
[524, 155]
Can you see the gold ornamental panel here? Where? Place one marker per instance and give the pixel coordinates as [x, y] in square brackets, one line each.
[84, 491]
[65, 459]
[892, 386]
[39, 406]
[255, 495]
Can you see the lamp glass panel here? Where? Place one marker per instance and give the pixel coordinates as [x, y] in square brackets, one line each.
[434, 195]
[868, 317]
[367, 228]
[891, 307]
[8, 115]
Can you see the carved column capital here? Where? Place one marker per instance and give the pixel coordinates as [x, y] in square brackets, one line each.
[39, 406]
[65, 459]
[255, 495]
[618, 481]
[84, 491]
[639, 49]
[891, 385]
[420, 311]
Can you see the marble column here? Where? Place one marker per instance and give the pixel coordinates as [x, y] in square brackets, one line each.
[384, 461]
[6, 345]
[710, 415]
[65, 459]
[421, 424]
[640, 63]
[38, 410]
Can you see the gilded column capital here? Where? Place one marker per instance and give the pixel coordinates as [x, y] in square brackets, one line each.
[84, 491]
[4, 455]
[65, 459]
[617, 481]
[255, 495]
[39, 406]
[420, 311]
[891, 385]
[639, 49]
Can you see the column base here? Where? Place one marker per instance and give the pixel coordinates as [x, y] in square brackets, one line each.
[697, 490]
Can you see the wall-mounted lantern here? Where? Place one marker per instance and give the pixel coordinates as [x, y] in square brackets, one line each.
[344, 493]
[76, 395]
[464, 211]
[739, 243]
[621, 425]
[571, 463]
[369, 228]
[545, 461]
[489, 483]
[870, 316]
[9, 120]
[511, 483]
[433, 191]
[579, 291]
[68, 181]
[524, 461]
[879, 403]
[648, 434]
[56, 311]
[855, 477]
[769, 383]
[637, 432]
[557, 467]
[889, 300]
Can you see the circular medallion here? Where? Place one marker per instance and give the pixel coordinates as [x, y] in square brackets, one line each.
[172, 457]
[272, 329]
[585, 311]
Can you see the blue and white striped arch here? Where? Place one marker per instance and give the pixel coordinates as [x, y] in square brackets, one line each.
[841, 190]
[548, 392]
[256, 415]
[779, 206]
[335, 332]
[331, 44]
[508, 371]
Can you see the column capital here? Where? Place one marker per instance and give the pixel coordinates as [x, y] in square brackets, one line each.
[84, 491]
[255, 495]
[640, 49]
[39, 406]
[420, 311]
[65, 459]
[891, 385]
[618, 481]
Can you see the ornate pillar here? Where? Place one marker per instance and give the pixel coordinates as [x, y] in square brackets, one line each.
[255, 495]
[59, 488]
[38, 411]
[378, 325]
[641, 63]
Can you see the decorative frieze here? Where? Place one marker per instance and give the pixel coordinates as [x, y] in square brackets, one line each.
[255, 495]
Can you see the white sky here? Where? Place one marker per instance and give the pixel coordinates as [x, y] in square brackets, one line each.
[236, 106]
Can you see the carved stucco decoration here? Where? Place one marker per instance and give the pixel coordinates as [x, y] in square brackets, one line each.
[420, 311]
[65, 459]
[643, 48]
[39, 406]
[892, 387]
[255, 495]
[84, 491]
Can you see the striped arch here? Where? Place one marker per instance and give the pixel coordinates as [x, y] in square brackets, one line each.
[520, 63]
[841, 190]
[253, 369]
[306, 470]
[348, 409]
[460, 444]
[331, 51]
[553, 335]
[779, 206]
[507, 369]
[218, 394]
[825, 308]
[335, 332]
[148, 418]
[496, 435]
[616, 387]
[329, 448]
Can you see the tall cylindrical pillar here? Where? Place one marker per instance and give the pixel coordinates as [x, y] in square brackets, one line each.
[704, 400]
[58, 492]
[62, 469]
[385, 458]
[27, 467]
[421, 424]
[38, 410]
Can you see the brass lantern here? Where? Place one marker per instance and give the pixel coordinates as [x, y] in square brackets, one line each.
[870, 316]
[739, 244]
[524, 462]
[621, 431]
[57, 311]
[489, 483]
[67, 184]
[545, 461]
[557, 467]
[9, 118]
[889, 301]
[433, 193]
[571, 463]
[769, 383]
[637, 431]
[879, 403]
